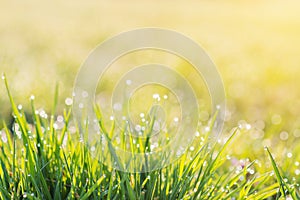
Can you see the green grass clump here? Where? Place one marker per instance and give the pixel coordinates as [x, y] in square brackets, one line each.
[41, 161]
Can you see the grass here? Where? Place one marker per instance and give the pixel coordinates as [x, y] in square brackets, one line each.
[41, 161]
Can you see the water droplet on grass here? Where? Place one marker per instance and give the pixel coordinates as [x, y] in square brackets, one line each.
[60, 118]
[248, 126]
[81, 105]
[156, 97]
[69, 101]
[142, 115]
[284, 135]
[3, 137]
[20, 107]
[207, 128]
[84, 94]
[128, 82]
[55, 126]
[138, 128]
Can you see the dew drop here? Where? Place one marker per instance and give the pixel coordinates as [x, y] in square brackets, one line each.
[142, 115]
[3, 137]
[55, 126]
[156, 97]
[138, 128]
[93, 148]
[68, 101]
[128, 82]
[248, 126]
[60, 118]
[207, 129]
[284, 135]
[85, 94]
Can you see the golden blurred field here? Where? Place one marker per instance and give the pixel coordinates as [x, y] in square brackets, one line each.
[255, 45]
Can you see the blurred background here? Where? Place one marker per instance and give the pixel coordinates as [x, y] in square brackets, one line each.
[255, 45]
